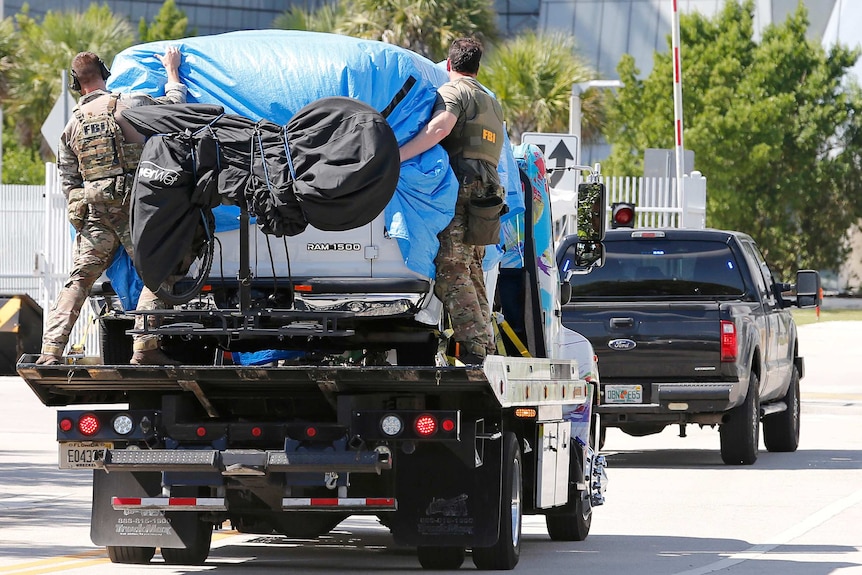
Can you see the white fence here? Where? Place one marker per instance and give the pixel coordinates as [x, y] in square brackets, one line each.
[36, 239]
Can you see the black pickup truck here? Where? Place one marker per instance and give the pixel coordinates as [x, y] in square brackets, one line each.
[690, 326]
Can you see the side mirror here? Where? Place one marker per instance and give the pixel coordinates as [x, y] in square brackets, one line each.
[589, 254]
[808, 288]
[592, 212]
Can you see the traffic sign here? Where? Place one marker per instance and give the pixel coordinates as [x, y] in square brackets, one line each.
[561, 151]
[56, 121]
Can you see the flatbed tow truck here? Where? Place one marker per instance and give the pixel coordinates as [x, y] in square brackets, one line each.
[361, 413]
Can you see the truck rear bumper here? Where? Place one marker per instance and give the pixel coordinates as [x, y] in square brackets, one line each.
[675, 399]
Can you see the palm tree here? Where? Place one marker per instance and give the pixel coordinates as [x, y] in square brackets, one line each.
[327, 18]
[47, 48]
[532, 76]
[424, 26]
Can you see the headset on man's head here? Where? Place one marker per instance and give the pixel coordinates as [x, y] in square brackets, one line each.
[75, 84]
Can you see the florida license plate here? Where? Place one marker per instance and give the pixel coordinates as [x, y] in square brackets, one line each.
[624, 394]
[82, 454]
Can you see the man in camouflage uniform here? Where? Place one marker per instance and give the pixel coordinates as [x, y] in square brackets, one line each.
[98, 155]
[468, 122]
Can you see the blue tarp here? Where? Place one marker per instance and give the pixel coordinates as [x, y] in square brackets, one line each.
[271, 74]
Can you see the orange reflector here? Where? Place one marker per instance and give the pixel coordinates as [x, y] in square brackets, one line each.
[526, 412]
[207, 288]
[305, 288]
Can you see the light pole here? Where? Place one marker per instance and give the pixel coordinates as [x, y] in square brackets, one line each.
[575, 105]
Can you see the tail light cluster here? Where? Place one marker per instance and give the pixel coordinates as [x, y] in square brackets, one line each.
[105, 425]
[407, 425]
[728, 341]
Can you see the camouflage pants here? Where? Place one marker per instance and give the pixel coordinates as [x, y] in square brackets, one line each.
[105, 230]
[460, 284]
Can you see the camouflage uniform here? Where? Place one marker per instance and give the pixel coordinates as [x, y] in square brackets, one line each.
[99, 207]
[460, 282]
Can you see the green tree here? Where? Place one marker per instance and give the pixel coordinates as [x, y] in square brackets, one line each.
[774, 129]
[170, 23]
[532, 76]
[46, 48]
[425, 26]
[327, 18]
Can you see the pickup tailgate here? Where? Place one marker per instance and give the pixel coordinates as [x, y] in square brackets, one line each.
[676, 342]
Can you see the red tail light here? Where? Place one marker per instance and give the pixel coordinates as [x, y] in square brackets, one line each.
[425, 425]
[89, 424]
[728, 341]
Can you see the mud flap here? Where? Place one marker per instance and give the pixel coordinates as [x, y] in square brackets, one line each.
[141, 527]
[444, 502]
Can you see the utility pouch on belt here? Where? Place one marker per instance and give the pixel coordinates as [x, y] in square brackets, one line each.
[483, 220]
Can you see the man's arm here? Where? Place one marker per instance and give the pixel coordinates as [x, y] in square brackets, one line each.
[175, 91]
[439, 127]
[67, 165]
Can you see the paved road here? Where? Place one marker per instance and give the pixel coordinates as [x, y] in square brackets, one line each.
[672, 507]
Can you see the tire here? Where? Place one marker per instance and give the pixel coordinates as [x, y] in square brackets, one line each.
[781, 430]
[505, 553]
[197, 551]
[573, 522]
[131, 555]
[116, 344]
[441, 558]
[740, 434]
[198, 265]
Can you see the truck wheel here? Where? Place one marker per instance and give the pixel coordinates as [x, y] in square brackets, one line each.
[781, 430]
[131, 555]
[116, 345]
[504, 554]
[573, 521]
[441, 557]
[740, 434]
[197, 551]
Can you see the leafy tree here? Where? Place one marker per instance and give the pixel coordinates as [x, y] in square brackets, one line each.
[21, 164]
[424, 26]
[327, 18]
[46, 48]
[532, 76]
[170, 23]
[773, 128]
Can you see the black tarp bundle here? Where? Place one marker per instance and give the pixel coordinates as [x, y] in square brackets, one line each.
[334, 166]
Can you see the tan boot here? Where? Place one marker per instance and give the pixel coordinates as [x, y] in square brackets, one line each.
[49, 359]
[152, 357]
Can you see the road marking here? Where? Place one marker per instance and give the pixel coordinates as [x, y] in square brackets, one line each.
[798, 530]
[54, 564]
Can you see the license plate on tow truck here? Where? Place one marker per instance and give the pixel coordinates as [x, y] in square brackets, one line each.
[624, 394]
[82, 454]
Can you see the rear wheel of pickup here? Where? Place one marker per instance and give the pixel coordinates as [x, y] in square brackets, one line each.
[781, 430]
[504, 554]
[740, 434]
[130, 555]
[197, 547]
[441, 557]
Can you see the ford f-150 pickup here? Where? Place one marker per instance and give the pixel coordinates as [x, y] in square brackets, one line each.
[690, 326]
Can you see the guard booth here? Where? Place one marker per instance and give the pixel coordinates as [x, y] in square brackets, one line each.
[20, 330]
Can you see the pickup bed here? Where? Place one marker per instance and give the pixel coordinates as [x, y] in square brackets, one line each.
[689, 326]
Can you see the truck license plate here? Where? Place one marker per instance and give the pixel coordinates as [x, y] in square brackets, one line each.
[624, 394]
[82, 454]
